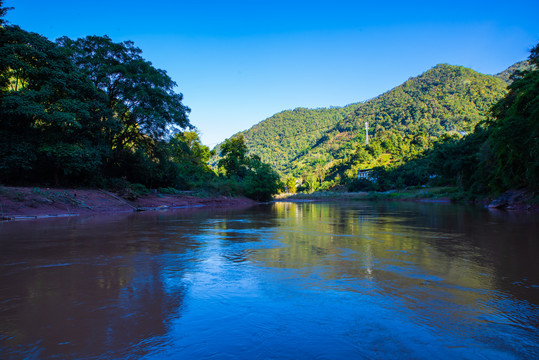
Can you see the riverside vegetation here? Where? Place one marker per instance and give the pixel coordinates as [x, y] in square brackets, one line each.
[91, 112]
[474, 135]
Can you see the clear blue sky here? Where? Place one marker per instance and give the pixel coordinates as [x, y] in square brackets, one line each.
[239, 62]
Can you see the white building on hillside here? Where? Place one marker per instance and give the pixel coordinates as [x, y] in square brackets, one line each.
[364, 174]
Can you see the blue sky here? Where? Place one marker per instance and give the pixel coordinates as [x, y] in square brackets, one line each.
[239, 62]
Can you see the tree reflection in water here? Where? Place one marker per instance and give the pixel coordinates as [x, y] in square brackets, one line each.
[287, 280]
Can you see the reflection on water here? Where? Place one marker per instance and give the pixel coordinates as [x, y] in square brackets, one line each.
[283, 281]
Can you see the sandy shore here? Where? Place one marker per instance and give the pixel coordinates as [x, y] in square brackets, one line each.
[25, 202]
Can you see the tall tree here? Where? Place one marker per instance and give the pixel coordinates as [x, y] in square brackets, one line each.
[3, 12]
[234, 159]
[191, 156]
[48, 110]
[141, 97]
[515, 131]
[260, 181]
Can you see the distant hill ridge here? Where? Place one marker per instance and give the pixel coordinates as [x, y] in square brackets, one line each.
[519, 66]
[443, 99]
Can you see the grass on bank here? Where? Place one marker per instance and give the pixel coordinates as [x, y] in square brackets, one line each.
[416, 193]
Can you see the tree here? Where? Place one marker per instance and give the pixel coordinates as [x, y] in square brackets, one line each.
[291, 184]
[234, 160]
[49, 111]
[89, 110]
[187, 147]
[261, 182]
[514, 131]
[534, 56]
[3, 12]
[191, 156]
[141, 97]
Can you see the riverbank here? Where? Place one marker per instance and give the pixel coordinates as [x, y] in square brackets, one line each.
[511, 200]
[438, 194]
[18, 203]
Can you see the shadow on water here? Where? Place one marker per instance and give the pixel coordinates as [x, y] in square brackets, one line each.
[100, 285]
[285, 280]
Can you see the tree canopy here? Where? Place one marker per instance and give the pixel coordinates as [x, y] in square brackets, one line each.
[94, 112]
[259, 179]
[75, 111]
[49, 110]
[3, 11]
[502, 154]
[323, 147]
[141, 97]
[514, 131]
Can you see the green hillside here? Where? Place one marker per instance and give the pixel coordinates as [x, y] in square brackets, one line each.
[519, 66]
[283, 137]
[444, 99]
[500, 155]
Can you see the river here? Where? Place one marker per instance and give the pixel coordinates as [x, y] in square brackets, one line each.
[358, 280]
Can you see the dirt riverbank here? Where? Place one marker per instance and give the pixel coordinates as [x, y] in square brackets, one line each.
[26, 202]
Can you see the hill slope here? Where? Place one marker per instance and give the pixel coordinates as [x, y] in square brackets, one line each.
[283, 137]
[443, 99]
[519, 66]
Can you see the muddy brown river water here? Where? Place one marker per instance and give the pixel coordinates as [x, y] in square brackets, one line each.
[359, 280]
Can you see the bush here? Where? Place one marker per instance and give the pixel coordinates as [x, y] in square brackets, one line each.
[326, 185]
[139, 189]
[361, 185]
[116, 184]
[169, 190]
[226, 187]
[262, 182]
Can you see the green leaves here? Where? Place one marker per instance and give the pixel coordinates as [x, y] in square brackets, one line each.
[258, 179]
[44, 100]
[139, 95]
[502, 154]
[403, 123]
[234, 161]
[514, 132]
[261, 182]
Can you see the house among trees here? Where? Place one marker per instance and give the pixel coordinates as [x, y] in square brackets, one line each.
[364, 174]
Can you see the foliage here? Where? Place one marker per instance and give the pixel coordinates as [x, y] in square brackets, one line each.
[94, 112]
[328, 145]
[361, 185]
[409, 120]
[49, 111]
[514, 70]
[514, 132]
[290, 185]
[80, 112]
[3, 11]
[502, 153]
[290, 134]
[141, 97]
[192, 157]
[261, 182]
[234, 161]
[258, 180]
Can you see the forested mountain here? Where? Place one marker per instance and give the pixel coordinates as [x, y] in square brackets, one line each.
[402, 122]
[501, 154]
[284, 136]
[519, 66]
